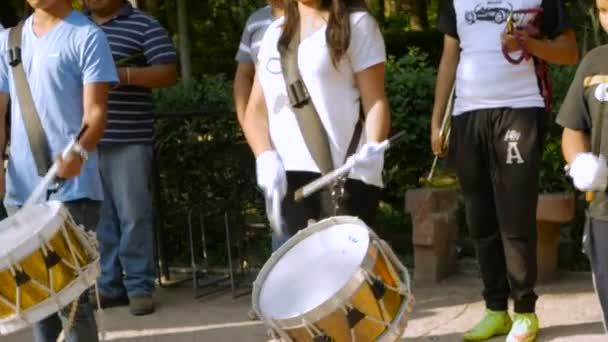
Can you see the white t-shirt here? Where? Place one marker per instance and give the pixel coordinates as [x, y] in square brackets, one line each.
[484, 78]
[333, 91]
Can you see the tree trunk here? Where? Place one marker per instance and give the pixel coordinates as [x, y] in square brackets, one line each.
[391, 7]
[377, 8]
[419, 20]
[151, 6]
[134, 3]
[184, 41]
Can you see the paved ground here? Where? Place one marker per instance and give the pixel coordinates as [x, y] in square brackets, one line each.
[568, 310]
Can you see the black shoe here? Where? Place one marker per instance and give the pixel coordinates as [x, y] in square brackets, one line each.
[108, 302]
[141, 305]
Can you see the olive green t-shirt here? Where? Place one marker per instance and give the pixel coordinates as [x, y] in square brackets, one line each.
[586, 100]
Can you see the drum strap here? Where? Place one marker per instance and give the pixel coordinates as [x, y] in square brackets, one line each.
[308, 119]
[37, 138]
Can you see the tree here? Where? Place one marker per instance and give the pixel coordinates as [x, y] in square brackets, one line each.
[184, 41]
[419, 20]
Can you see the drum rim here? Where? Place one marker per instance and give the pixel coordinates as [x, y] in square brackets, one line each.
[25, 248]
[86, 279]
[329, 305]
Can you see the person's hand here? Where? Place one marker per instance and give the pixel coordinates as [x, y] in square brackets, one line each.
[271, 174]
[437, 144]
[589, 172]
[511, 43]
[70, 166]
[369, 160]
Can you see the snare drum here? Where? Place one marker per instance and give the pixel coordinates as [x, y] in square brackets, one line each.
[334, 281]
[46, 262]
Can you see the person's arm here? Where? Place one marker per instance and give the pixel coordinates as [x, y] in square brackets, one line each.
[245, 73]
[161, 59]
[375, 104]
[559, 47]
[152, 77]
[255, 124]
[98, 75]
[560, 50]
[243, 84]
[95, 100]
[573, 143]
[446, 76]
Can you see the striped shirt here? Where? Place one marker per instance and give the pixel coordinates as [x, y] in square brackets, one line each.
[256, 26]
[136, 40]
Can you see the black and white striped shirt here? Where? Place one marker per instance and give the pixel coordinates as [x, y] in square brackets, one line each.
[137, 40]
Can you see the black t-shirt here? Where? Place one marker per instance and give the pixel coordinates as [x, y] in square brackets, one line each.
[555, 18]
[587, 98]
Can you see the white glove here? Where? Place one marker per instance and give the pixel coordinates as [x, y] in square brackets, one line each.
[271, 175]
[588, 172]
[369, 160]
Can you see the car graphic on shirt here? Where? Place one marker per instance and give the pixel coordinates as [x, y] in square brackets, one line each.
[495, 11]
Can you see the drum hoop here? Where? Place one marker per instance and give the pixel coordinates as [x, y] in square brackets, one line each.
[85, 279]
[399, 324]
[28, 246]
[331, 304]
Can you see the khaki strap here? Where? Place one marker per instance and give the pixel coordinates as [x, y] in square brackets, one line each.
[31, 120]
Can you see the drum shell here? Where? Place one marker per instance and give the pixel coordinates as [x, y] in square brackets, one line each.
[53, 266]
[373, 304]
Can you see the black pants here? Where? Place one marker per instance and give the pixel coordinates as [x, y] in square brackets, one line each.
[595, 242]
[359, 200]
[496, 154]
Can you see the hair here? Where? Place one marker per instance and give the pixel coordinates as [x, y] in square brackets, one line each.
[8, 14]
[337, 34]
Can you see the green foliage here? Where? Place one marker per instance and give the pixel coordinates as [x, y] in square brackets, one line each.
[552, 167]
[205, 166]
[213, 91]
[410, 84]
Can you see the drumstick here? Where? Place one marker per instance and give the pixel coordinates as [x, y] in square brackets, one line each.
[273, 212]
[51, 174]
[330, 177]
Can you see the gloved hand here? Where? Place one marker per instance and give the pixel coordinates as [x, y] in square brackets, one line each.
[369, 160]
[589, 172]
[271, 174]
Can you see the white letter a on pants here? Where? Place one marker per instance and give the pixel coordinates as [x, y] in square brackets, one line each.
[513, 153]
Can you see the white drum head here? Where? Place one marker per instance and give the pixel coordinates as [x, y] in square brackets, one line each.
[18, 232]
[313, 271]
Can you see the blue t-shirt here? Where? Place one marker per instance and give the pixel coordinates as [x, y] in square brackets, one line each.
[58, 65]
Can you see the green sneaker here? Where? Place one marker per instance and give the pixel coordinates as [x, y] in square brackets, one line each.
[494, 323]
[525, 328]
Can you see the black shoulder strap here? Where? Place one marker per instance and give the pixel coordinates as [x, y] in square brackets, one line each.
[31, 120]
[307, 116]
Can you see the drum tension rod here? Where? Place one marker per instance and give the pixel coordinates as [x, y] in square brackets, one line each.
[21, 278]
[51, 259]
[322, 338]
[378, 288]
[353, 317]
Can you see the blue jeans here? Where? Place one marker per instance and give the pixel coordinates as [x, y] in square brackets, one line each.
[84, 328]
[125, 230]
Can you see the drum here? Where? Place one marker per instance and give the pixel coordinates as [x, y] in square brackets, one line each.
[46, 262]
[334, 281]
